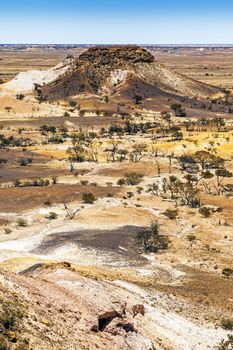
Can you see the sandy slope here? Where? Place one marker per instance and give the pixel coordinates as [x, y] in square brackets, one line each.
[24, 82]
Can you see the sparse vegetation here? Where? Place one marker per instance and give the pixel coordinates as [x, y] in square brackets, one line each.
[7, 231]
[11, 314]
[131, 179]
[22, 222]
[205, 211]
[52, 216]
[151, 241]
[227, 323]
[226, 344]
[88, 198]
[227, 272]
[191, 237]
[171, 213]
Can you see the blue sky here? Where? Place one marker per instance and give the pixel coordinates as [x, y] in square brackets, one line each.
[122, 21]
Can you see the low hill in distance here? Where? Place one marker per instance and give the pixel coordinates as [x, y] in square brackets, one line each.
[112, 70]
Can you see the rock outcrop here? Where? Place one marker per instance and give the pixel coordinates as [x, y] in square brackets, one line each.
[114, 69]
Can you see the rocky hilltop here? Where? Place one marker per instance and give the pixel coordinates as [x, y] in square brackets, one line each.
[116, 56]
[116, 69]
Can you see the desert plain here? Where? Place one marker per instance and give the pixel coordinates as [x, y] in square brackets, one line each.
[116, 198]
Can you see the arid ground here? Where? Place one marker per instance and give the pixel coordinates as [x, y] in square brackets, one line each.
[116, 199]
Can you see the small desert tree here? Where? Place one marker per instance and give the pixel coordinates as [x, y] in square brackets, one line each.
[219, 122]
[178, 110]
[138, 152]
[208, 160]
[167, 117]
[150, 239]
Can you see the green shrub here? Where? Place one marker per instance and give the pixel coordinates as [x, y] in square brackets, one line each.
[150, 239]
[7, 231]
[84, 182]
[226, 344]
[130, 179]
[227, 272]
[133, 179]
[22, 222]
[227, 323]
[25, 161]
[88, 198]
[191, 237]
[171, 213]
[11, 314]
[34, 183]
[139, 190]
[205, 211]
[47, 203]
[52, 216]
[121, 182]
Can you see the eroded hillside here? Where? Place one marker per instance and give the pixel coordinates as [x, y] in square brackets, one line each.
[108, 69]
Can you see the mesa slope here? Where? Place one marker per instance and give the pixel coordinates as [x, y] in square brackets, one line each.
[110, 70]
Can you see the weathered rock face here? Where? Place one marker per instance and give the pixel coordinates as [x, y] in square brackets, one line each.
[116, 56]
[98, 63]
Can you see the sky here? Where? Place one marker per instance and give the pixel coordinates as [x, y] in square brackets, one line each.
[116, 21]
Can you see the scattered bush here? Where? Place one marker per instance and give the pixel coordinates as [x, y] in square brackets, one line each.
[151, 241]
[7, 231]
[139, 190]
[178, 109]
[52, 216]
[25, 161]
[191, 237]
[22, 222]
[205, 211]
[84, 182]
[171, 213]
[11, 314]
[11, 141]
[20, 96]
[130, 179]
[227, 272]
[226, 344]
[227, 323]
[36, 183]
[133, 179]
[47, 203]
[121, 182]
[88, 198]
[110, 195]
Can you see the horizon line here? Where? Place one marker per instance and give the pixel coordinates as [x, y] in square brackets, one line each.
[107, 44]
